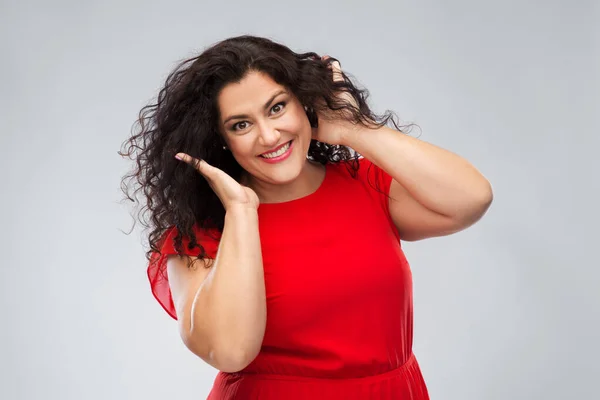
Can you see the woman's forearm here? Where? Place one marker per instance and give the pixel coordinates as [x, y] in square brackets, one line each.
[438, 179]
[230, 306]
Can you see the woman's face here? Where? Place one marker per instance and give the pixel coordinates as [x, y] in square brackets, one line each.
[265, 128]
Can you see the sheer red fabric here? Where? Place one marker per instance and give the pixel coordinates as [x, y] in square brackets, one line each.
[339, 297]
[157, 267]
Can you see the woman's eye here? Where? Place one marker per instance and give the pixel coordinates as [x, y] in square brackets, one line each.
[240, 125]
[278, 107]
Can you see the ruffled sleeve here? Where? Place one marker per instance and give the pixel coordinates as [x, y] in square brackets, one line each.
[157, 266]
[376, 179]
[378, 183]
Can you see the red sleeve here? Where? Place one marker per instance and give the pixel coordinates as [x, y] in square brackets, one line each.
[377, 179]
[157, 266]
[378, 182]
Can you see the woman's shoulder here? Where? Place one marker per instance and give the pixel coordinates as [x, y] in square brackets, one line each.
[358, 168]
[172, 231]
[207, 237]
[365, 173]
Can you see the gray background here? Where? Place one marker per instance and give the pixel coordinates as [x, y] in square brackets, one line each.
[505, 310]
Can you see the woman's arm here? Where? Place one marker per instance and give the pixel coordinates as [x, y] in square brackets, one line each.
[222, 309]
[434, 192]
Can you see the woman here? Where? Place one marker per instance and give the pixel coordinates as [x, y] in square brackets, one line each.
[274, 244]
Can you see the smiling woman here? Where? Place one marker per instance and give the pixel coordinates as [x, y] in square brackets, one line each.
[262, 134]
[260, 205]
[187, 117]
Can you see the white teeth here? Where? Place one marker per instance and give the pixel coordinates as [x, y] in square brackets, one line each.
[278, 152]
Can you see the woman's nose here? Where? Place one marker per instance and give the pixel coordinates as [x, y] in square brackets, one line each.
[269, 135]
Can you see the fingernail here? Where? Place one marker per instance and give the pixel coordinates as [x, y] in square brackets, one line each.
[177, 156]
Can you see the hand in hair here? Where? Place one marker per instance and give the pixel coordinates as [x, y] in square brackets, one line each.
[335, 125]
[229, 191]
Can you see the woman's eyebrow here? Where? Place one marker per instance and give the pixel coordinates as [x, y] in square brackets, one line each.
[265, 106]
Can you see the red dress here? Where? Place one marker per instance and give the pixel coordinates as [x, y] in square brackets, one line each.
[339, 297]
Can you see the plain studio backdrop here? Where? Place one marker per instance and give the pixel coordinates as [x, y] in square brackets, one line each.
[507, 309]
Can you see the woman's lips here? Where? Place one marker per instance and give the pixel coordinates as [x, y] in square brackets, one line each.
[275, 149]
[280, 157]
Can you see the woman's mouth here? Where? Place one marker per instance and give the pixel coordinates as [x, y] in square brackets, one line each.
[278, 155]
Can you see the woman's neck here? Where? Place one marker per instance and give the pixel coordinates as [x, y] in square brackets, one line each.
[309, 180]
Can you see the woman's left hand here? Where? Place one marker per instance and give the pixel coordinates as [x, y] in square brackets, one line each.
[334, 126]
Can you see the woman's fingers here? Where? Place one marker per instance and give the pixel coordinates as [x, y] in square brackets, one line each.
[229, 191]
[336, 68]
[337, 71]
[202, 166]
[206, 170]
[184, 157]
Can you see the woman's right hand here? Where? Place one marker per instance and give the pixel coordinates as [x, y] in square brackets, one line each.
[229, 191]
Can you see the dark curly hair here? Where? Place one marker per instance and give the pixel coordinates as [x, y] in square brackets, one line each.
[185, 118]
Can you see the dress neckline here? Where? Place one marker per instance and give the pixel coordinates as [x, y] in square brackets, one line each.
[302, 199]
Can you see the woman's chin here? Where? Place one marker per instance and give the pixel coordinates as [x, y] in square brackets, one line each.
[283, 174]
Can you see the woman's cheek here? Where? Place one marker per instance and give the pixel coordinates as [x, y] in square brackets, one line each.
[297, 122]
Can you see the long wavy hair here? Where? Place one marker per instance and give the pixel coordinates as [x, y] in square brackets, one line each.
[185, 118]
